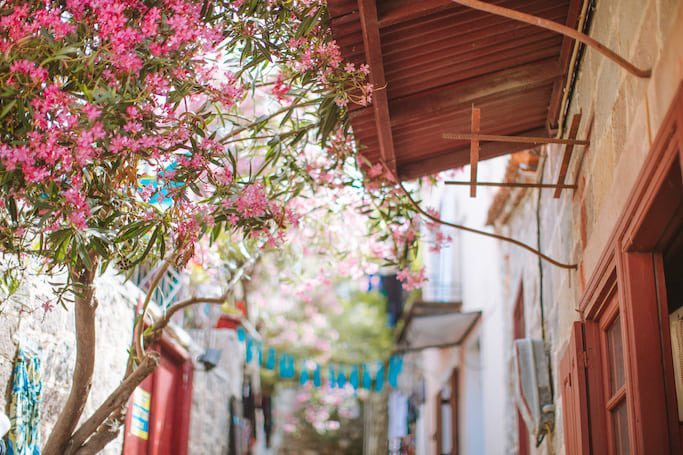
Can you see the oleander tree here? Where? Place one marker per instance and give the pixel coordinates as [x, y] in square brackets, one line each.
[131, 130]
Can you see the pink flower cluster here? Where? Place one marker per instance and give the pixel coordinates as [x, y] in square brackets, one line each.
[411, 279]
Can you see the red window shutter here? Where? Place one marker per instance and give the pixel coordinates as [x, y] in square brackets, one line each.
[575, 394]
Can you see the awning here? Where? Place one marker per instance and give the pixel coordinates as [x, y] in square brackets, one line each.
[432, 60]
[435, 325]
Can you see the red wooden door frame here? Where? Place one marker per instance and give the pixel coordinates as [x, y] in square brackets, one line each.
[630, 263]
[183, 403]
[520, 332]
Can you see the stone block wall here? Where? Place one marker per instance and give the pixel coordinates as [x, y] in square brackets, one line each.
[212, 390]
[24, 320]
[621, 116]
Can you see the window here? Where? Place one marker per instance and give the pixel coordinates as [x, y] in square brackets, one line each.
[614, 380]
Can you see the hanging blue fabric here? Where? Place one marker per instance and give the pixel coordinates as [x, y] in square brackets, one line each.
[259, 350]
[341, 377]
[270, 359]
[27, 386]
[316, 376]
[332, 378]
[367, 378]
[250, 352]
[393, 371]
[303, 377]
[379, 378]
[240, 334]
[291, 369]
[354, 377]
[282, 370]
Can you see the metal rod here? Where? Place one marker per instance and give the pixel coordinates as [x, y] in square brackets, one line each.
[513, 184]
[435, 219]
[515, 139]
[558, 28]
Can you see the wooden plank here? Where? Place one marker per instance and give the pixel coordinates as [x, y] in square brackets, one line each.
[460, 95]
[404, 11]
[566, 158]
[373, 55]
[509, 184]
[513, 139]
[454, 157]
[474, 150]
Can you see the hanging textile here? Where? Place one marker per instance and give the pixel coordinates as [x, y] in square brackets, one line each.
[354, 377]
[341, 377]
[27, 386]
[303, 377]
[367, 378]
[270, 360]
[379, 379]
[398, 415]
[317, 380]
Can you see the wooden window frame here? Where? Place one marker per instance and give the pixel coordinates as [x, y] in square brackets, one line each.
[519, 331]
[631, 268]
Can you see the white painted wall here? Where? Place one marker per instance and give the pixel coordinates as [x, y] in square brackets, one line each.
[474, 262]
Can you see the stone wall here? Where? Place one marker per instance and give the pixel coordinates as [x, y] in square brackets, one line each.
[621, 114]
[211, 391]
[24, 321]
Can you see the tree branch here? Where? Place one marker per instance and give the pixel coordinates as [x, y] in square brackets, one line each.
[114, 401]
[85, 309]
[107, 432]
[137, 331]
[435, 219]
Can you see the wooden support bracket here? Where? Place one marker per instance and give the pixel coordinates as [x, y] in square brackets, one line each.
[475, 137]
[474, 150]
[566, 158]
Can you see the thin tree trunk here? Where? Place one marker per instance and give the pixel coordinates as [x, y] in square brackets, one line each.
[116, 400]
[85, 310]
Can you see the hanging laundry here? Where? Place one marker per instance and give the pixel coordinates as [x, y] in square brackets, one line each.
[270, 360]
[27, 386]
[367, 378]
[354, 377]
[341, 377]
[332, 378]
[250, 352]
[316, 376]
[303, 377]
[379, 378]
[398, 415]
[259, 350]
[241, 336]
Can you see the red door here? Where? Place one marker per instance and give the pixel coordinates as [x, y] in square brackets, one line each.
[159, 412]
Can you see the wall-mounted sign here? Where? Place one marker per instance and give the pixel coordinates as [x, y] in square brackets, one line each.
[139, 424]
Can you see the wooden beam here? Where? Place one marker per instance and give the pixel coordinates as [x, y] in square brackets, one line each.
[462, 94]
[564, 167]
[511, 184]
[474, 150]
[380, 103]
[455, 157]
[513, 139]
[408, 10]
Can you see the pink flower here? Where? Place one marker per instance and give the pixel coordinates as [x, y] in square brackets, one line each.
[411, 280]
[252, 203]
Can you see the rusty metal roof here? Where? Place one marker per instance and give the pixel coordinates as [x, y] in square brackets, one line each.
[432, 60]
